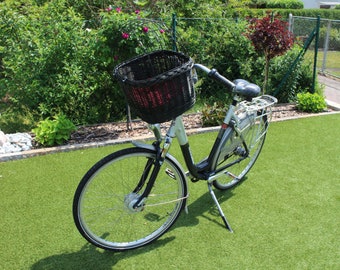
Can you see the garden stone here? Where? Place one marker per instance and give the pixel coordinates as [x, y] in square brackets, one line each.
[3, 138]
[16, 142]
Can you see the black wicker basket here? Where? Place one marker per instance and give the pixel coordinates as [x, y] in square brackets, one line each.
[158, 85]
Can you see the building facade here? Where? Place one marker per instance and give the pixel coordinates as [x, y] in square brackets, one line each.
[320, 3]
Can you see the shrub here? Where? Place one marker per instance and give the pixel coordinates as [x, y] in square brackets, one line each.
[51, 63]
[54, 131]
[16, 121]
[331, 14]
[213, 115]
[284, 85]
[285, 4]
[333, 39]
[311, 102]
[127, 34]
[220, 44]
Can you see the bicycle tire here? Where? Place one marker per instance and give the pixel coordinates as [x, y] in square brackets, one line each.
[102, 205]
[237, 172]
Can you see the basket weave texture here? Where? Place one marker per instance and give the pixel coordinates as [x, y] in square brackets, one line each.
[158, 86]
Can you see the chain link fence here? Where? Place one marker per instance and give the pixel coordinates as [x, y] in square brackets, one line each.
[328, 56]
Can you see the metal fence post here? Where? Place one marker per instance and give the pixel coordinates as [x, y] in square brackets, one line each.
[317, 31]
[174, 40]
[326, 46]
[290, 25]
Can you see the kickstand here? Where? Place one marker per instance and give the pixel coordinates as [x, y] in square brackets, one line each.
[219, 207]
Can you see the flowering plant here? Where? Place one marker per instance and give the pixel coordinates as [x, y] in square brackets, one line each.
[127, 34]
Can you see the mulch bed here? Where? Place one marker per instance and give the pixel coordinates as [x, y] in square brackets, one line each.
[112, 131]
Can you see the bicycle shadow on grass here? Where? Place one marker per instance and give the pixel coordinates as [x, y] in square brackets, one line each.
[205, 207]
[91, 257]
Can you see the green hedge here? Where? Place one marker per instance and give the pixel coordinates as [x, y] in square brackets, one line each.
[331, 14]
[286, 4]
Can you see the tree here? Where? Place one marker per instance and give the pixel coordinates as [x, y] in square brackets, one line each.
[270, 37]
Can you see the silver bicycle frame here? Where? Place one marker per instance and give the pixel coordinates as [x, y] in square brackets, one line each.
[239, 117]
[177, 130]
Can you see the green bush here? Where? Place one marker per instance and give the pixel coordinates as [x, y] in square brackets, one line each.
[331, 14]
[16, 121]
[308, 102]
[220, 44]
[213, 115]
[285, 4]
[334, 38]
[51, 63]
[231, 53]
[285, 91]
[54, 131]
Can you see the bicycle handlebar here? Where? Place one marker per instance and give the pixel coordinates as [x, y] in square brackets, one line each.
[213, 73]
[240, 86]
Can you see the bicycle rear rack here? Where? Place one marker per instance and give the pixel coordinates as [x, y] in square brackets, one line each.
[258, 103]
[261, 104]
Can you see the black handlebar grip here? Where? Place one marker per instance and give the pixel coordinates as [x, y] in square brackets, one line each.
[218, 77]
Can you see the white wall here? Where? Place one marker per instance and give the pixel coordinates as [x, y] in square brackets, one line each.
[311, 3]
[316, 3]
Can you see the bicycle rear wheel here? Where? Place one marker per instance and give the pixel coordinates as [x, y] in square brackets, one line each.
[254, 137]
[103, 202]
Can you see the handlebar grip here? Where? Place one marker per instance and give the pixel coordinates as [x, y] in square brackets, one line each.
[213, 73]
[218, 77]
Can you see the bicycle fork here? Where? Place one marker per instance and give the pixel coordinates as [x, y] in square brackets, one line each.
[152, 166]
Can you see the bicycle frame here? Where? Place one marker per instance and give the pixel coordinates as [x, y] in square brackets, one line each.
[205, 169]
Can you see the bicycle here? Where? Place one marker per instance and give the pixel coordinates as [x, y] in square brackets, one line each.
[133, 196]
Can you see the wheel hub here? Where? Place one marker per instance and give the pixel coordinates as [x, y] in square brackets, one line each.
[130, 200]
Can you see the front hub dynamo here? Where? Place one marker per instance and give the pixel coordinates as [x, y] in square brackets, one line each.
[130, 200]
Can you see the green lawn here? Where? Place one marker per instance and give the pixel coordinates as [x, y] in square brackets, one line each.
[285, 216]
[332, 61]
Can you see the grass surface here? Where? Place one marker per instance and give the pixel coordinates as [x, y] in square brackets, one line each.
[332, 64]
[285, 216]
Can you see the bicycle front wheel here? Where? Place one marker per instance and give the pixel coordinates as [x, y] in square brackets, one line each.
[103, 203]
[254, 136]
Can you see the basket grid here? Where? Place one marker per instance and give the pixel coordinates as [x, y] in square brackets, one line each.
[158, 86]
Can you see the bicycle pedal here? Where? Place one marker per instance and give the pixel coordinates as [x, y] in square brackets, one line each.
[170, 173]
